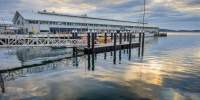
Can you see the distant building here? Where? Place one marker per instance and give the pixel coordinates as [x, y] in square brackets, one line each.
[51, 22]
[7, 27]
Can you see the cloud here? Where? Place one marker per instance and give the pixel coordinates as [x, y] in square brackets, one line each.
[189, 6]
[164, 13]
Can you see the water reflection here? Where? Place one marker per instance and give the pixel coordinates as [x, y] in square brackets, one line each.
[2, 84]
[91, 62]
[167, 72]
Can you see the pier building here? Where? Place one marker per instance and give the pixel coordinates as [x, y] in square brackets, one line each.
[51, 22]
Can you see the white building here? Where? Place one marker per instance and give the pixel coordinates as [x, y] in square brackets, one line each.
[51, 22]
[6, 27]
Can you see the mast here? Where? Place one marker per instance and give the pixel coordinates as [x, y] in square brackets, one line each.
[143, 21]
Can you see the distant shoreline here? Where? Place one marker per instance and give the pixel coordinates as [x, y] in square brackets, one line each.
[167, 30]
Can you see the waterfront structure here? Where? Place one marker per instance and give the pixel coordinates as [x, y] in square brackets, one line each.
[51, 22]
[6, 26]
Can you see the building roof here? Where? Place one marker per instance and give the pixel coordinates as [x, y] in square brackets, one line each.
[47, 16]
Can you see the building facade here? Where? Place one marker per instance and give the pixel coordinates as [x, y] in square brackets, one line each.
[50, 22]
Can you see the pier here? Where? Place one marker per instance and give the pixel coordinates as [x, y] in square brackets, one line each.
[88, 43]
[38, 41]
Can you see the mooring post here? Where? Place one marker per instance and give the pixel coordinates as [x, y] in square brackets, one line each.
[120, 42]
[93, 42]
[143, 37]
[111, 36]
[139, 48]
[88, 61]
[124, 36]
[105, 38]
[88, 39]
[120, 38]
[130, 45]
[128, 34]
[95, 35]
[111, 53]
[75, 58]
[93, 61]
[115, 43]
[73, 35]
[105, 41]
[128, 38]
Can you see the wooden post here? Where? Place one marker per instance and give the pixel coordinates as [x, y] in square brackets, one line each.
[130, 40]
[72, 35]
[130, 44]
[105, 38]
[143, 37]
[128, 34]
[88, 61]
[93, 63]
[105, 41]
[88, 39]
[93, 41]
[124, 37]
[115, 43]
[111, 53]
[120, 38]
[111, 36]
[75, 58]
[139, 49]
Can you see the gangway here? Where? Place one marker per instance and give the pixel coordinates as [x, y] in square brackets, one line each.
[38, 41]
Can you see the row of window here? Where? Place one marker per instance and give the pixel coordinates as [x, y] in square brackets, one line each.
[75, 24]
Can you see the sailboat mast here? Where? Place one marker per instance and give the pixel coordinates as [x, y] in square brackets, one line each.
[143, 21]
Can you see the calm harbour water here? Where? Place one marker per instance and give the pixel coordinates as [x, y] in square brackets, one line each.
[170, 70]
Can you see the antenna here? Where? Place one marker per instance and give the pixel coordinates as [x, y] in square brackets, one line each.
[143, 21]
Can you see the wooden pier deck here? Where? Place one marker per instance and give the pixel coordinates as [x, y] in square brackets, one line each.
[110, 47]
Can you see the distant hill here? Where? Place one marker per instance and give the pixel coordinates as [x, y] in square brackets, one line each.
[168, 30]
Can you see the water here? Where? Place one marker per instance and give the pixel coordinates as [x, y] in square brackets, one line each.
[170, 70]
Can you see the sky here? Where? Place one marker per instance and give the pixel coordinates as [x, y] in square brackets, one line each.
[168, 14]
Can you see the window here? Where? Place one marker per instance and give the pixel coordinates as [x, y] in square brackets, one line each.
[44, 30]
[33, 22]
[43, 22]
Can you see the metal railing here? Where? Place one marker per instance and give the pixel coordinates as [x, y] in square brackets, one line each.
[45, 41]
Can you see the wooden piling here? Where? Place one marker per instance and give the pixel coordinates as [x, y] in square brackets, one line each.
[115, 43]
[105, 41]
[89, 61]
[111, 36]
[93, 41]
[143, 37]
[105, 38]
[139, 49]
[124, 37]
[120, 38]
[130, 42]
[93, 63]
[88, 39]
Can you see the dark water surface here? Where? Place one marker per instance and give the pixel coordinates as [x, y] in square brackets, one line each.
[170, 70]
